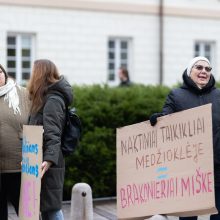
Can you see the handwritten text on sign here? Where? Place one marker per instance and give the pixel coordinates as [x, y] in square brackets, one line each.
[173, 159]
[31, 173]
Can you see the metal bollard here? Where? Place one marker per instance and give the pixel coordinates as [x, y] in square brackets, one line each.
[81, 202]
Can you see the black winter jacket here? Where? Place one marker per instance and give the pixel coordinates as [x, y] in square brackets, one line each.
[52, 117]
[190, 96]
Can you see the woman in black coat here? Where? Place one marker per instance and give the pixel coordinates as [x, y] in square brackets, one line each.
[50, 94]
[198, 89]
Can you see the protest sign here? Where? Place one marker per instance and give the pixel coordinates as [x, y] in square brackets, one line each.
[29, 205]
[167, 168]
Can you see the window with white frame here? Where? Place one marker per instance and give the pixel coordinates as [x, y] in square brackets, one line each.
[20, 56]
[206, 49]
[118, 56]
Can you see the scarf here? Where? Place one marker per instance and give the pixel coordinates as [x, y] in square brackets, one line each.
[9, 90]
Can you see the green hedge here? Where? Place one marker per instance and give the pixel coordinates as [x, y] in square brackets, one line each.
[102, 109]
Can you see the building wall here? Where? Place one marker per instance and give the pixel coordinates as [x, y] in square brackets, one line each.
[75, 35]
[179, 39]
[76, 40]
[193, 4]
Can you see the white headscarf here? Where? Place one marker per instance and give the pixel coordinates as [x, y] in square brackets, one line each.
[195, 60]
[9, 90]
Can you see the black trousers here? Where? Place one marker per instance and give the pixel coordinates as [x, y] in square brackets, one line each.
[9, 192]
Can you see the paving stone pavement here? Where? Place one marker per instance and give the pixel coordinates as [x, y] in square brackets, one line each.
[103, 210]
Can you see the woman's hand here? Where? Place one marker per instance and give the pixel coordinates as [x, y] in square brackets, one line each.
[44, 167]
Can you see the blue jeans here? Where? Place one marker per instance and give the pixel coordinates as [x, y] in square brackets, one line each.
[217, 203]
[52, 215]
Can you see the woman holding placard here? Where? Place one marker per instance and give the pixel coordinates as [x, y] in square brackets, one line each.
[198, 89]
[50, 94]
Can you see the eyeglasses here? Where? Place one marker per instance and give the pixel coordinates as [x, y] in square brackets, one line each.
[200, 67]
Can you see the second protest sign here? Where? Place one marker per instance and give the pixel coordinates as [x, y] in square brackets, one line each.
[168, 168]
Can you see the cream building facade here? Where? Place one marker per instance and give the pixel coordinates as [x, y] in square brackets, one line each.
[89, 40]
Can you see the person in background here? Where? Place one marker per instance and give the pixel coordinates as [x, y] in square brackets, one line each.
[14, 105]
[50, 94]
[124, 77]
[198, 89]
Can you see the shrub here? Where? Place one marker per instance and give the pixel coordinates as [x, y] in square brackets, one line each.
[102, 109]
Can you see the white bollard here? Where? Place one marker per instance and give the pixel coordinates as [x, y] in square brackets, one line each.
[159, 217]
[81, 202]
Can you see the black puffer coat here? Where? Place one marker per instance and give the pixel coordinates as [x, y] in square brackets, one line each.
[190, 96]
[52, 117]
